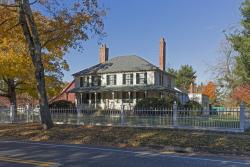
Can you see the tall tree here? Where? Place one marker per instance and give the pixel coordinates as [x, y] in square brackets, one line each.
[172, 71]
[62, 27]
[224, 73]
[16, 71]
[185, 76]
[242, 93]
[210, 91]
[241, 43]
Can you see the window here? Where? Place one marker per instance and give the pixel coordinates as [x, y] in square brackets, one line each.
[127, 79]
[81, 81]
[141, 78]
[161, 78]
[127, 97]
[84, 81]
[111, 79]
[169, 82]
[85, 98]
[98, 98]
[140, 95]
[96, 81]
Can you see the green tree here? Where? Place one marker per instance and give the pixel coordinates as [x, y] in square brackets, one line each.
[172, 71]
[184, 76]
[241, 43]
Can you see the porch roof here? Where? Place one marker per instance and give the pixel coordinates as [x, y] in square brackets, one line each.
[120, 88]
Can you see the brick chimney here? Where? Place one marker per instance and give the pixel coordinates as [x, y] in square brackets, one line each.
[162, 54]
[103, 54]
[192, 86]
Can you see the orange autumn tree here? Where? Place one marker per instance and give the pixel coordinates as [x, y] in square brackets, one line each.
[242, 94]
[210, 91]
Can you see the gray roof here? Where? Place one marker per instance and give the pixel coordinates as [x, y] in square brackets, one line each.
[120, 64]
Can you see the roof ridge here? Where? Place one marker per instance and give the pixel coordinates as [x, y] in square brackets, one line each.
[120, 64]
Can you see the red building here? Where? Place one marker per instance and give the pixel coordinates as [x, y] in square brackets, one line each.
[4, 102]
[64, 95]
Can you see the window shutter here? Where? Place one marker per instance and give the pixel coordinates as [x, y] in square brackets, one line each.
[92, 80]
[87, 80]
[108, 80]
[99, 81]
[114, 79]
[124, 79]
[137, 78]
[145, 78]
[81, 81]
[131, 79]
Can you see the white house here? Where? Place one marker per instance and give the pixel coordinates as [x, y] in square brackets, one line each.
[182, 95]
[202, 99]
[122, 80]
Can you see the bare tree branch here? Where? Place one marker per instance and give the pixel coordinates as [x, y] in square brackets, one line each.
[9, 5]
[58, 37]
[32, 3]
[13, 27]
[6, 20]
[19, 83]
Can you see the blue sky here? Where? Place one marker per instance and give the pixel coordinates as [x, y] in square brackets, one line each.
[191, 28]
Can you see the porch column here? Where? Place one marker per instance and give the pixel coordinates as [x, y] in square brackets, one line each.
[89, 98]
[146, 94]
[113, 96]
[95, 100]
[80, 98]
[113, 100]
[129, 100]
[161, 95]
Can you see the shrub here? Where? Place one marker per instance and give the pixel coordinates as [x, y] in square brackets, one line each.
[61, 104]
[152, 103]
[192, 105]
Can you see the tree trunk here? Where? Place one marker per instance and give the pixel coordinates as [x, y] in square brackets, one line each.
[43, 100]
[12, 96]
[31, 35]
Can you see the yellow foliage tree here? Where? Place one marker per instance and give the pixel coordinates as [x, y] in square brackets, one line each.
[49, 33]
[16, 71]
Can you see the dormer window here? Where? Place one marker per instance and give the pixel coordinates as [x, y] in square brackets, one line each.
[128, 79]
[141, 78]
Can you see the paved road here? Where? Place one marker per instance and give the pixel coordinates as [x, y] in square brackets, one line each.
[23, 154]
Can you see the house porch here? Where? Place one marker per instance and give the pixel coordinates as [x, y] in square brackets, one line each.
[114, 99]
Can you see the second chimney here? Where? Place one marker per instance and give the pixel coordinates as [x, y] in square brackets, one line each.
[103, 53]
[162, 54]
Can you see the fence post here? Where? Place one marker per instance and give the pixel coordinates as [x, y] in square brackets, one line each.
[242, 117]
[78, 115]
[12, 113]
[27, 113]
[175, 114]
[122, 114]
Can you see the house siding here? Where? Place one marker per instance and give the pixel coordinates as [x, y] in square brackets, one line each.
[119, 78]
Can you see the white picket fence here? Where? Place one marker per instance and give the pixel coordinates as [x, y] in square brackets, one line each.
[228, 119]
